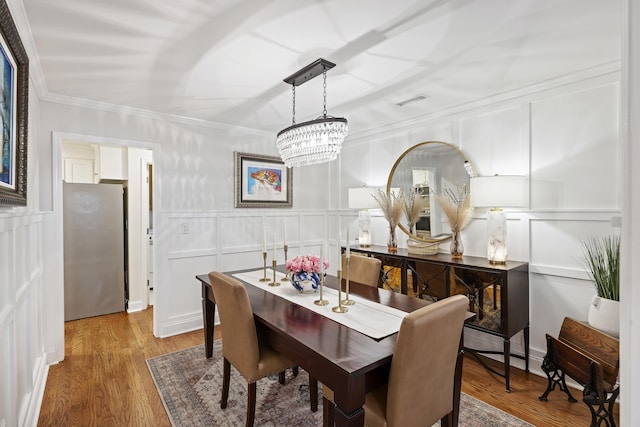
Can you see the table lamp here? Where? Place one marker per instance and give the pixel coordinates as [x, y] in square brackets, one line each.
[497, 192]
[362, 198]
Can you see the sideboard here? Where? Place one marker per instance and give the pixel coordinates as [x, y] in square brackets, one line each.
[498, 293]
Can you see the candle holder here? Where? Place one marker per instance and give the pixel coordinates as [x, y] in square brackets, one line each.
[347, 301]
[321, 301]
[275, 282]
[264, 268]
[286, 277]
[340, 308]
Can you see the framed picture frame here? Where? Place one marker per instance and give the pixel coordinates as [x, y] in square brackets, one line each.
[262, 182]
[14, 101]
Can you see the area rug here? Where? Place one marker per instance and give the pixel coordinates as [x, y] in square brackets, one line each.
[190, 388]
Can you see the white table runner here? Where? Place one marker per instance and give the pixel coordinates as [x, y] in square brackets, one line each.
[368, 317]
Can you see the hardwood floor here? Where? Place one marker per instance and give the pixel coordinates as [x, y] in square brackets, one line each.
[104, 379]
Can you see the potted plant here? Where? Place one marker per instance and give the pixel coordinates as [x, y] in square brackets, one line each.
[601, 256]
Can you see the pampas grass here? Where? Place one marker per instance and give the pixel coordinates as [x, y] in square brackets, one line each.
[391, 205]
[456, 206]
[412, 207]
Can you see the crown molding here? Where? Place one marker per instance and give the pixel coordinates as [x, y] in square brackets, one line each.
[552, 83]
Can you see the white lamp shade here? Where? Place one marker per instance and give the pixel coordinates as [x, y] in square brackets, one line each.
[499, 191]
[362, 198]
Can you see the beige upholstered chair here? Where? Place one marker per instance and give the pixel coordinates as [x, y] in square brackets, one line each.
[241, 347]
[362, 269]
[423, 364]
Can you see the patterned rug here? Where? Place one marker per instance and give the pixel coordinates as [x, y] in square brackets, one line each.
[190, 388]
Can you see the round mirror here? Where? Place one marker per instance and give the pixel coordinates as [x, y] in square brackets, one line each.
[421, 172]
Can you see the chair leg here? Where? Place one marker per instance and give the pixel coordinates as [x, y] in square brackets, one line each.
[313, 393]
[226, 375]
[251, 404]
[281, 377]
[295, 370]
[327, 413]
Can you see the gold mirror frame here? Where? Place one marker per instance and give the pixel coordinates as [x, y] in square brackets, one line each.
[423, 149]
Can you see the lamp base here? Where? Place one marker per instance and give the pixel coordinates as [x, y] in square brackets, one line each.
[364, 228]
[496, 236]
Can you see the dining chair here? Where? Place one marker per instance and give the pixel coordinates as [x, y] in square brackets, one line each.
[423, 364]
[362, 269]
[241, 346]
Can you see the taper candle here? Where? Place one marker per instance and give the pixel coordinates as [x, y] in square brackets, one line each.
[348, 249]
[274, 245]
[264, 238]
[321, 258]
[284, 232]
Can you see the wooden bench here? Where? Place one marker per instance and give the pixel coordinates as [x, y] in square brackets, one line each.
[591, 358]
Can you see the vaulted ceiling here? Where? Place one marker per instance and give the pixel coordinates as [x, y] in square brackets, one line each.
[224, 60]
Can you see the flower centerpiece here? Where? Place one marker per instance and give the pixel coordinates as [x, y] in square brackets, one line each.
[305, 270]
[457, 208]
[391, 205]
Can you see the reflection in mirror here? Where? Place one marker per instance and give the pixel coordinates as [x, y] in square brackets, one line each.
[424, 170]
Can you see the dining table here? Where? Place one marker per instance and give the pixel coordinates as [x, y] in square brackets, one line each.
[347, 361]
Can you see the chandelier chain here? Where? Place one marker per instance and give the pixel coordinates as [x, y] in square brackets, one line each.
[293, 120]
[324, 94]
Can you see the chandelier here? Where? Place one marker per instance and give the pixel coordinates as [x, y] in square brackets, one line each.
[315, 141]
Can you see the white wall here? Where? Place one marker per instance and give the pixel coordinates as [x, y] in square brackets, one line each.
[564, 138]
[23, 309]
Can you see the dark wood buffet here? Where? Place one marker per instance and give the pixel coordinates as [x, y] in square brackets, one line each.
[498, 293]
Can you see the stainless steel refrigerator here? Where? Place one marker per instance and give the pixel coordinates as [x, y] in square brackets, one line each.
[94, 250]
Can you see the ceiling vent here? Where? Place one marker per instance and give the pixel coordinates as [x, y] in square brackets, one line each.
[410, 100]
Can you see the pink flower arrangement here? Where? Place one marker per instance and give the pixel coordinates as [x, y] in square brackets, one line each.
[306, 263]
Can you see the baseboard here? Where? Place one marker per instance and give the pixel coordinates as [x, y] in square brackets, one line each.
[32, 412]
[182, 325]
[136, 305]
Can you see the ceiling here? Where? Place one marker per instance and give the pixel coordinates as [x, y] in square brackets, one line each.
[224, 60]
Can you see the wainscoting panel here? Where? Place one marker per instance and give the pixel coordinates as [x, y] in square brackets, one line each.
[23, 360]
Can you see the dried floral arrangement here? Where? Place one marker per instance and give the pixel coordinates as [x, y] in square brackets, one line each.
[412, 207]
[391, 205]
[456, 206]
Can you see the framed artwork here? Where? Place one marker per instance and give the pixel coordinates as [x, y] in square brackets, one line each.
[262, 182]
[14, 100]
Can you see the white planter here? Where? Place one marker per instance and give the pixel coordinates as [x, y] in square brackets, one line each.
[604, 314]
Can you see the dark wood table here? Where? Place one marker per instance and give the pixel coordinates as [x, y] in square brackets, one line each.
[348, 362]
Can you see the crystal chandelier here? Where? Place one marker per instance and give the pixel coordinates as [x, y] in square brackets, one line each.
[315, 141]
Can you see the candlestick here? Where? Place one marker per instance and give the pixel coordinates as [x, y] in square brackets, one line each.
[347, 301]
[286, 273]
[340, 308]
[264, 262]
[275, 282]
[321, 301]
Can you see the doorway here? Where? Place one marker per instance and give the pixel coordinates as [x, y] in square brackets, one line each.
[114, 162]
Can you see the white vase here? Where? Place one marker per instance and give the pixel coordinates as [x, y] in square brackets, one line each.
[604, 315]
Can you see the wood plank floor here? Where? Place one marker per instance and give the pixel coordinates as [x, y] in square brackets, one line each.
[104, 379]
